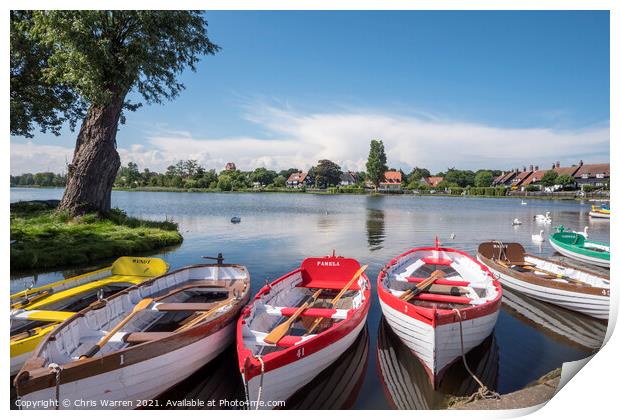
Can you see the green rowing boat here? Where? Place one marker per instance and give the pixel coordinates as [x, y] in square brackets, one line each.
[576, 246]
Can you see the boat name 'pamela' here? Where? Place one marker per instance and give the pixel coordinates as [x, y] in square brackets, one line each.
[328, 263]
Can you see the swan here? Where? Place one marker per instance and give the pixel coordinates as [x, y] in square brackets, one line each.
[516, 222]
[584, 233]
[523, 203]
[545, 218]
[452, 235]
[539, 237]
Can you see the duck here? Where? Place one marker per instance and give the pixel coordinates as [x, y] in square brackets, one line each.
[235, 219]
[584, 233]
[516, 222]
[539, 237]
[545, 218]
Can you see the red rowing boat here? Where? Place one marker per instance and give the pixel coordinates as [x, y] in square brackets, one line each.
[325, 301]
[431, 296]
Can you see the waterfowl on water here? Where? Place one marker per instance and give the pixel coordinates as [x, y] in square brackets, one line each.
[539, 237]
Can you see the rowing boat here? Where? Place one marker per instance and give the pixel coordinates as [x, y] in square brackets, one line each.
[139, 342]
[601, 212]
[445, 315]
[554, 282]
[577, 247]
[37, 311]
[322, 305]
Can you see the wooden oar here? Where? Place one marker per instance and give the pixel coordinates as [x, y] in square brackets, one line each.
[335, 300]
[549, 273]
[142, 305]
[280, 331]
[203, 315]
[422, 285]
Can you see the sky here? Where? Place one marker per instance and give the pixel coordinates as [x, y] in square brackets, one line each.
[465, 89]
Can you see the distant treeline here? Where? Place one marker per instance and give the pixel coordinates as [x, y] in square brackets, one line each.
[188, 174]
[40, 179]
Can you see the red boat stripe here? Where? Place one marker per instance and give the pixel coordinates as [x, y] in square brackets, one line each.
[312, 312]
[437, 261]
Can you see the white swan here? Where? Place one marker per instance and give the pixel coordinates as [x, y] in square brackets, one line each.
[584, 233]
[452, 235]
[523, 203]
[516, 222]
[544, 218]
[539, 237]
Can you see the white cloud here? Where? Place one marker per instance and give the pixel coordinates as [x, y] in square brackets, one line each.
[299, 140]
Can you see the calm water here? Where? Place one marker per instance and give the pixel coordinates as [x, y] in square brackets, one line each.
[278, 230]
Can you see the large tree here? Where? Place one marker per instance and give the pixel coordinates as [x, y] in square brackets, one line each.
[376, 164]
[326, 173]
[88, 62]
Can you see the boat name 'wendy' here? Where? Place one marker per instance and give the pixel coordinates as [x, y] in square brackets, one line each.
[328, 263]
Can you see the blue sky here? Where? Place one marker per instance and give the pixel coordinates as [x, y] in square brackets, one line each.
[467, 89]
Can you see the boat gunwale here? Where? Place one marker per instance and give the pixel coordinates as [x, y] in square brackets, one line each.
[34, 375]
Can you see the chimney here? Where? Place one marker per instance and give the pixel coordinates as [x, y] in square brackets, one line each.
[557, 164]
[536, 167]
[524, 169]
[531, 167]
[581, 163]
[553, 166]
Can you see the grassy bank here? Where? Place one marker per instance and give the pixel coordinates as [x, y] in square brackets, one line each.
[44, 238]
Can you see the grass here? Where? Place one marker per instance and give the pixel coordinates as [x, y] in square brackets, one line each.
[46, 238]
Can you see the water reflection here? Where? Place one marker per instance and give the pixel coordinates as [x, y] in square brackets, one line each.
[375, 228]
[337, 387]
[406, 385]
[557, 323]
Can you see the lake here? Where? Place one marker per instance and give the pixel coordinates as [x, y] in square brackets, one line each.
[277, 231]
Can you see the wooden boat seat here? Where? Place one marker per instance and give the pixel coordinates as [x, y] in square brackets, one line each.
[181, 306]
[310, 312]
[437, 261]
[442, 298]
[143, 337]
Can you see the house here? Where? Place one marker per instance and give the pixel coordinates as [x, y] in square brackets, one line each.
[431, 181]
[505, 178]
[392, 181]
[519, 178]
[230, 166]
[349, 178]
[597, 174]
[297, 180]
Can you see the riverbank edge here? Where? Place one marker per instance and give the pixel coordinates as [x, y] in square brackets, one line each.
[326, 192]
[536, 393]
[42, 238]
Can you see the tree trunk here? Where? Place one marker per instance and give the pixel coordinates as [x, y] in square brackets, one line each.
[91, 174]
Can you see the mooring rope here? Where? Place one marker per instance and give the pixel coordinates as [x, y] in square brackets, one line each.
[55, 368]
[260, 384]
[483, 392]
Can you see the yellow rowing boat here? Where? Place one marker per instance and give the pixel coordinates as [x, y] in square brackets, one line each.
[37, 311]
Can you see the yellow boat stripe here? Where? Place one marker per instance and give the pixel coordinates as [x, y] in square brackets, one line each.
[44, 316]
[28, 344]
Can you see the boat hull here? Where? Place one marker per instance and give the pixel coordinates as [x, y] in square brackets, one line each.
[125, 387]
[578, 256]
[599, 215]
[281, 383]
[438, 346]
[596, 306]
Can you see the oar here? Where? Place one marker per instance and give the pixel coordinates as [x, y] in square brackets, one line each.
[280, 331]
[335, 300]
[550, 273]
[203, 316]
[142, 305]
[422, 285]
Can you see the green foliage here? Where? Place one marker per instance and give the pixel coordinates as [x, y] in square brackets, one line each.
[279, 181]
[40, 179]
[45, 238]
[416, 174]
[70, 58]
[565, 180]
[376, 164]
[532, 187]
[459, 177]
[549, 178]
[588, 188]
[263, 176]
[326, 173]
[483, 179]
[224, 183]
